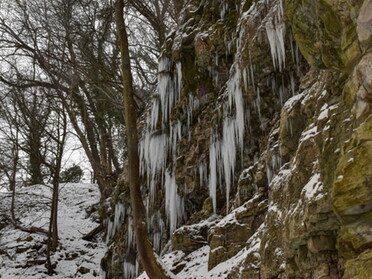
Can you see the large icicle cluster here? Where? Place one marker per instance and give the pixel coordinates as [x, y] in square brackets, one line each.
[157, 151]
[159, 142]
[119, 216]
[223, 148]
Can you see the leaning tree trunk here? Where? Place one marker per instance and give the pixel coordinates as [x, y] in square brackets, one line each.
[150, 263]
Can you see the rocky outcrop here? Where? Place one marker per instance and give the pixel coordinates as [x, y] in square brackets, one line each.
[270, 129]
[230, 235]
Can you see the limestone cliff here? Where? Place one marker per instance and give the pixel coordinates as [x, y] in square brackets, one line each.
[257, 148]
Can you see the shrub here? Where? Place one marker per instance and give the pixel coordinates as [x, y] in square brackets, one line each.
[72, 174]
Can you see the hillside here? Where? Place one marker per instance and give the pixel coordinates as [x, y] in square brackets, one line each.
[23, 254]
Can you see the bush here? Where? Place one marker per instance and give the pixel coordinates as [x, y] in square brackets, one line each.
[72, 174]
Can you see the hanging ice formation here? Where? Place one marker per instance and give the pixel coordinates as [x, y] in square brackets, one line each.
[223, 149]
[158, 148]
[123, 213]
[275, 30]
[130, 264]
[119, 216]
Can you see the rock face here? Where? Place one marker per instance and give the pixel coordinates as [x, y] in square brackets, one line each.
[259, 143]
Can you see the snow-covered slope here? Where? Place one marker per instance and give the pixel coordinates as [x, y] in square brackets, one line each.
[23, 254]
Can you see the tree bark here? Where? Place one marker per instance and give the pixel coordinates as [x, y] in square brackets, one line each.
[150, 263]
[13, 176]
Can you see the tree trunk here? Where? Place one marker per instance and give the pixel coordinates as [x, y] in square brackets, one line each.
[13, 180]
[56, 169]
[35, 156]
[150, 263]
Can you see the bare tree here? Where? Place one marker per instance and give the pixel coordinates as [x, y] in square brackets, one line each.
[66, 53]
[160, 16]
[58, 136]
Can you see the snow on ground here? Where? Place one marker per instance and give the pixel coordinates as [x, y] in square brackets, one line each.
[195, 264]
[75, 258]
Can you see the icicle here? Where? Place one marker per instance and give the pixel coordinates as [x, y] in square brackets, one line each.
[173, 202]
[275, 34]
[169, 88]
[165, 89]
[119, 216]
[275, 30]
[269, 174]
[297, 57]
[214, 156]
[137, 268]
[154, 114]
[156, 224]
[235, 94]
[179, 79]
[153, 154]
[130, 232]
[224, 9]
[258, 103]
[157, 241]
[273, 166]
[174, 135]
[246, 78]
[202, 173]
[291, 44]
[251, 71]
[129, 270]
[292, 83]
[193, 104]
[228, 154]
